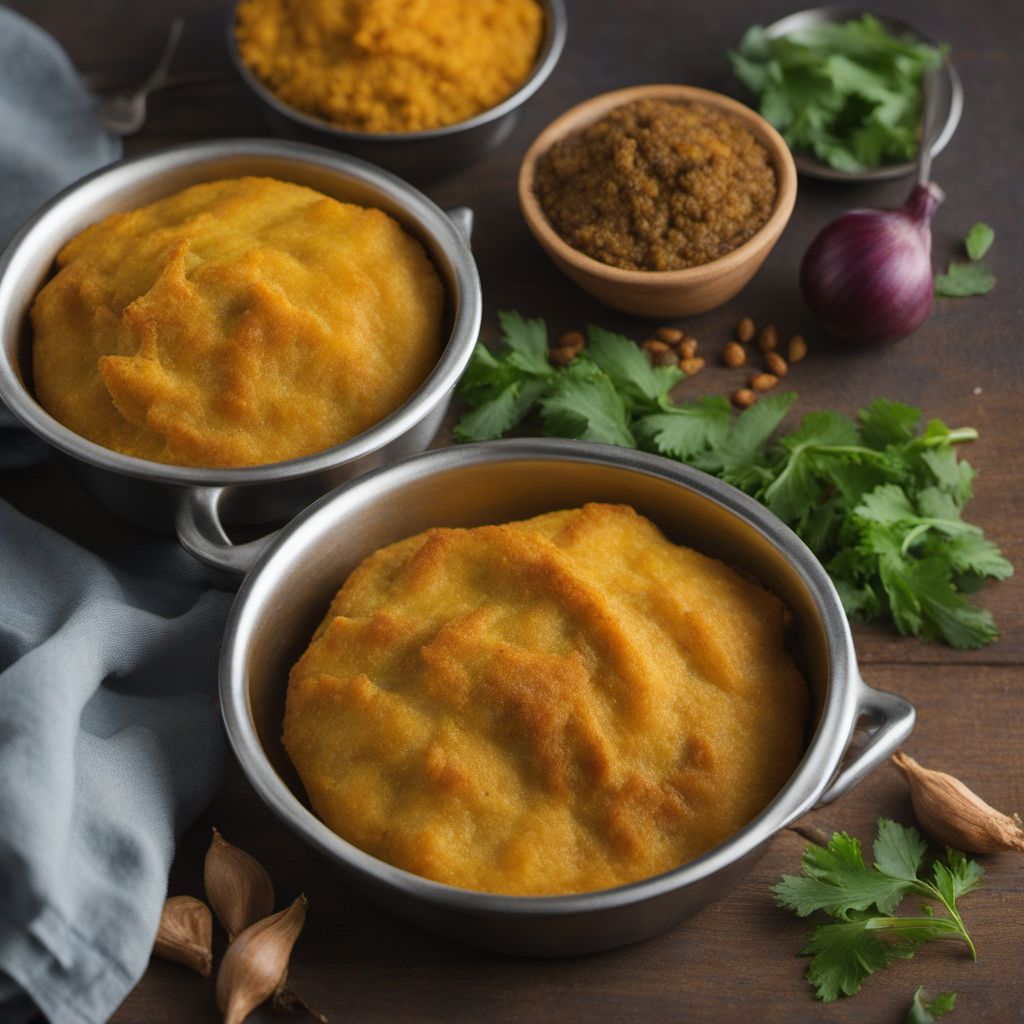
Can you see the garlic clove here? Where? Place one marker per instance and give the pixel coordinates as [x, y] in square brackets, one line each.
[256, 964]
[237, 886]
[954, 815]
[185, 935]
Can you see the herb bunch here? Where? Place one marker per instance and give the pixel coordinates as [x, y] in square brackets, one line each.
[877, 499]
[867, 936]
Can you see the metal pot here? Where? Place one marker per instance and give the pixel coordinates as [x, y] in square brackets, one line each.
[193, 501]
[286, 594]
[421, 155]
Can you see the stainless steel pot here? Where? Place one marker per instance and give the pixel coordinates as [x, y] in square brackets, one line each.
[196, 502]
[422, 155]
[287, 593]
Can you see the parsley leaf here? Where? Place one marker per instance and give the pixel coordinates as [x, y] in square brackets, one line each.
[877, 498]
[963, 279]
[866, 937]
[928, 1011]
[979, 240]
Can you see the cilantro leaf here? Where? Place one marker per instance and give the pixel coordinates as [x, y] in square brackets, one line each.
[498, 415]
[979, 240]
[928, 1011]
[686, 430]
[629, 367]
[883, 423]
[963, 279]
[527, 341]
[583, 403]
[866, 936]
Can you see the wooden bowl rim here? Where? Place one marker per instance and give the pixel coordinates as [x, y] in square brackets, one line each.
[590, 110]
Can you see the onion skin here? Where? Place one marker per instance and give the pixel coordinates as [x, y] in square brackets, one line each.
[868, 275]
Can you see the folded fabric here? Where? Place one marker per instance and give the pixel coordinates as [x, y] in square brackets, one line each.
[110, 734]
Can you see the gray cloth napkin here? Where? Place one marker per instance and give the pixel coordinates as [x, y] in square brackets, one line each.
[110, 736]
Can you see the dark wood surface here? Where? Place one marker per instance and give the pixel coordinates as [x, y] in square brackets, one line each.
[736, 961]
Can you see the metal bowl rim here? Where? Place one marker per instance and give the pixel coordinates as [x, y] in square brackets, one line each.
[556, 23]
[819, 762]
[466, 312]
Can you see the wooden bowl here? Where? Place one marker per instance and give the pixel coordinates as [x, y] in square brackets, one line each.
[660, 293]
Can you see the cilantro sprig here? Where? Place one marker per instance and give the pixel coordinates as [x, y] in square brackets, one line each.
[927, 1011]
[964, 279]
[867, 936]
[879, 499]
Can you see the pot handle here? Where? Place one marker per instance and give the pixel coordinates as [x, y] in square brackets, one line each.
[892, 720]
[201, 533]
[462, 218]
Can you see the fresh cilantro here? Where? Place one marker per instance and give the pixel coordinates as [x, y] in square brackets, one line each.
[849, 93]
[979, 240]
[963, 279]
[867, 936]
[928, 1011]
[878, 499]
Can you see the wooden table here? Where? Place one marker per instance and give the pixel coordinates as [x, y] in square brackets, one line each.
[736, 961]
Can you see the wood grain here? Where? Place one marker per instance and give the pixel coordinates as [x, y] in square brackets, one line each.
[736, 961]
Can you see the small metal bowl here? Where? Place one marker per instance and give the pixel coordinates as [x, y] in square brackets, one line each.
[188, 500]
[285, 597]
[420, 155]
[949, 93]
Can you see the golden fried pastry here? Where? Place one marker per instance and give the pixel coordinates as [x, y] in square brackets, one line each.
[235, 323]
[558, 705]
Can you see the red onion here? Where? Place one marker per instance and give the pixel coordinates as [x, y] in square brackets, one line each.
[868, 276]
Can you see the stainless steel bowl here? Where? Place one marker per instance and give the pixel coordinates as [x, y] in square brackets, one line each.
[193, 501]
[287, 593]
[949, 93]
[422, 155]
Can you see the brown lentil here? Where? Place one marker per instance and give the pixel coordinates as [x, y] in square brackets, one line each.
[688, 348]
[670, 334]
[657, 185]
[763, 381]
[655, 347]
[572, 339]
[776, 364]
[797, 348]
[562, 356]
[667, 358]
[769, 340]
[743, 399]
[745, 330]
[733, 355]
[691, 366]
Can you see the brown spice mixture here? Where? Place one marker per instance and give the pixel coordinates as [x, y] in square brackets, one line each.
[656, 185]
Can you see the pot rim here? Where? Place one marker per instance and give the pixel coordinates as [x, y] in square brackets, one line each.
[466, 307]
[808, 782]
[552, 44]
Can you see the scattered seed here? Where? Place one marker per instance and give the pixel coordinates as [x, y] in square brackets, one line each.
[769, 340]
[562, 356]
[688, 348]
[743, 399]
[734, 354]
[763, 381]
[670, 334]
[745, 330]
[776, 364]
[667, 358]
[691, 366]
[572, 339]
[655, 347]
[797, 348]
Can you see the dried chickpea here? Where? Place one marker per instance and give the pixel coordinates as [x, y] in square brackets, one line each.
[769, 340]
[776, 364]
[667, 358]
[672, 335]
[743, 399]
[691, 366]
[734, 355]
[572, 339]
[763, 381]
[688, 348]
[561, 356]
[745, 330]
[797, 348]
[655, 347]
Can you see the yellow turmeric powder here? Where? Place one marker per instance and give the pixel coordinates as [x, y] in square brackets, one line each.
[390, 65]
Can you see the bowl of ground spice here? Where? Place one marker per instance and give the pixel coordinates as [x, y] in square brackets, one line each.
[660, 200]
[422, 89]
